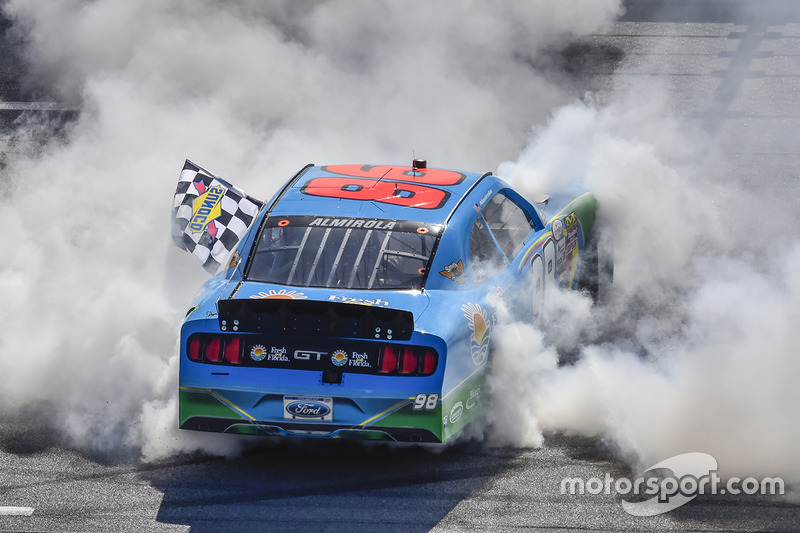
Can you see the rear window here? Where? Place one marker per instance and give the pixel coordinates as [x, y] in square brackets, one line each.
[353, 253]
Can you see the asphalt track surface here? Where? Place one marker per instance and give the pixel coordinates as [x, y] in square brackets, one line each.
[737, 69]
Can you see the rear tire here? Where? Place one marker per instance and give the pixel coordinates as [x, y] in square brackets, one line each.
[597, 268]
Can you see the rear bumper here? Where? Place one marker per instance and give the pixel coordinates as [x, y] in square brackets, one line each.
[249, 413]
[288, 429]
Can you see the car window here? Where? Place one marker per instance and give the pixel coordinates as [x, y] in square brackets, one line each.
[351, 253]
[485, 259]
[508, 222]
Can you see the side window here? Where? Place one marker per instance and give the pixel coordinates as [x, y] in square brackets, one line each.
[508, 222]
[485, 260]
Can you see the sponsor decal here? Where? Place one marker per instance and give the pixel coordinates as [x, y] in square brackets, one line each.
[474, 398]
[558, 229]
[456, 412]
[309, 355]
[352, 223]
[258, 352]
[478, 321]
[278, 354]
[236, 259]
[281, 294]
[339, 358]
[479, 205]
[454, 271]
[568, 250]
[295, 407]
[358, 301]
[349, 356]
[571, 220]
[360, 359]
[206, 208]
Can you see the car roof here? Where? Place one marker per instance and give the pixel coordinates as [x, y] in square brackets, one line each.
[376, 191]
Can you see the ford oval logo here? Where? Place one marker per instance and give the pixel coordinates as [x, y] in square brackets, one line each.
[308, 409]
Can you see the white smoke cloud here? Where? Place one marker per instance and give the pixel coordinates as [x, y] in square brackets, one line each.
[722, 383]
[695, 351]
[94, 290]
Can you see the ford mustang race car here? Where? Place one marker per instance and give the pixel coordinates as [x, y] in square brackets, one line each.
[361, 301]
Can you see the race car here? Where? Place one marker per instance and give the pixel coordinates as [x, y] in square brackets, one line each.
[361, 301]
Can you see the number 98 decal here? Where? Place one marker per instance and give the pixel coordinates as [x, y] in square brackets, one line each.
[427, 402]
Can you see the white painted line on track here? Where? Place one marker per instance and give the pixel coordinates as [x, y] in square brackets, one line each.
[16, 511]
[35, 106]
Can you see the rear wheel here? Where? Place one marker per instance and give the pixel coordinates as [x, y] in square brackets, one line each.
[536, 283]
[597, 266]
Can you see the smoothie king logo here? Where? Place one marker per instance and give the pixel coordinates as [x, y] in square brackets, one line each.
[691, 474]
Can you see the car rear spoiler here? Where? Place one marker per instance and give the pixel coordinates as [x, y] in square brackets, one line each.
[314, 318]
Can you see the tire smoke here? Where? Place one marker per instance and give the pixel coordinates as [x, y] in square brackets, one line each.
[94, 291]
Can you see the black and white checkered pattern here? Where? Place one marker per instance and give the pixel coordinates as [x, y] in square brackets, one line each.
[217, 238]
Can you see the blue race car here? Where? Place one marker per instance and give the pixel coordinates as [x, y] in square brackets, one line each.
[360, 301]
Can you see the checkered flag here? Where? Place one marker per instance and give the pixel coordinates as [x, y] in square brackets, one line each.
[209, 215]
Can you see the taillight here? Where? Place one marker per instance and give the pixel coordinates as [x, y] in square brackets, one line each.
[388, 360]
[193, 350]
[215, 349]
[233, 351]
[408, 362]
[392, 359]
[212, 350]
[428, 362]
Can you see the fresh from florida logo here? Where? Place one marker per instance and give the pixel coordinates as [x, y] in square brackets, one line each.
[339, 358]
[478, 321]
[258, 353]
[206, 208]
[281, 294]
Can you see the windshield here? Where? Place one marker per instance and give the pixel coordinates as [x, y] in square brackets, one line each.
[353, 253]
